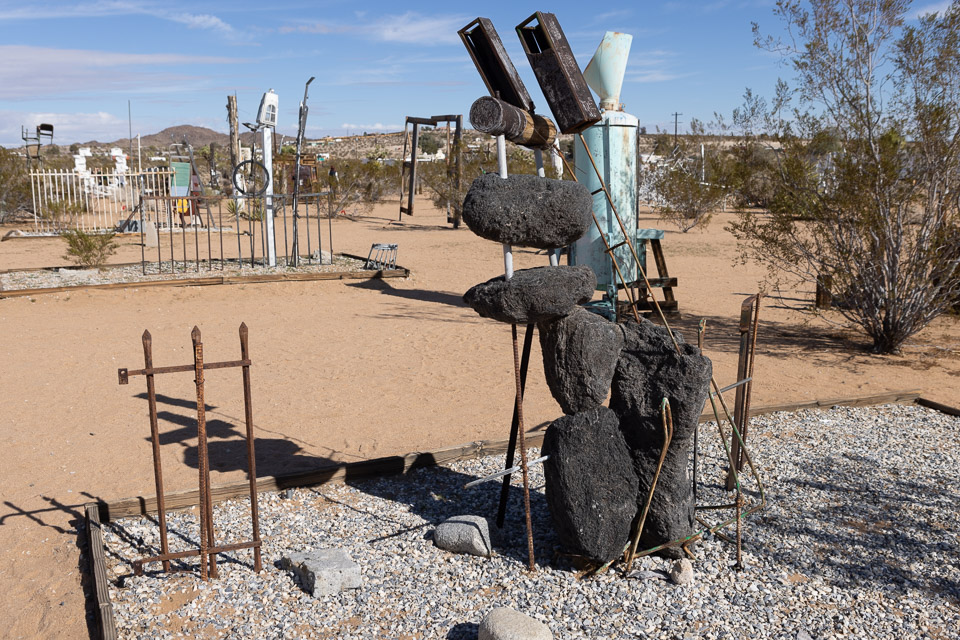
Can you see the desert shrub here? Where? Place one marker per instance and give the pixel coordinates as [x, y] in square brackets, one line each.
[868, 165]
[61, 213]
[683, 199]
[89, 249]
[15, 196]
[357, 186]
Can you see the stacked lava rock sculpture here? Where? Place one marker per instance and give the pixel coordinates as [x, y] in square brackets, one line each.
[602, 461]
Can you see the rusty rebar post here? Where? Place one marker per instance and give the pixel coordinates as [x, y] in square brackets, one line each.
[523, 449]
[203, 462]
[251, 453]
[667, 419]
[155, 443]
[512, 443]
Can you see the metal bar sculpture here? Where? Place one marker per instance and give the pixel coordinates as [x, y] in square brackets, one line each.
[208, 548]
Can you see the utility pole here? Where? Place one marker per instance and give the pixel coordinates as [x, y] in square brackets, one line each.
[675, 127]
[234, 134]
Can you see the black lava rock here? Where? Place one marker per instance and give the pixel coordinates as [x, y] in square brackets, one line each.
[580, 353]
[533, 295]
[527, 210]
[649, 370]
[591, 486]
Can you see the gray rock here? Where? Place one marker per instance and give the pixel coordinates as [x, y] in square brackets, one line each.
[803, 635]
[527, 210]
[503, 623]
[682, 572]
[324, 571]
[533, 295]
[591, 487]
[580, 353]
[323, 256]
[464, 534]
[649, 370]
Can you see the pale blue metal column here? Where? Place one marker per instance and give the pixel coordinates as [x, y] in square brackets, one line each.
[613, 144]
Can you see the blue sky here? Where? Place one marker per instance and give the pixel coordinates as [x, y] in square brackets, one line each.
[76, 64]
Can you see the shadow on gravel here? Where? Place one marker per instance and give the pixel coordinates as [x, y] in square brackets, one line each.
[437, 493]
[464, 631]
[880, 525]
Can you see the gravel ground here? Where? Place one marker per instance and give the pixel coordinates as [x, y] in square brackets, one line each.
[45, 279]
[859, 540]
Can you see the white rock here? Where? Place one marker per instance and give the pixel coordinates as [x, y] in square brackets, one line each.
[506, 624]
[682, 572]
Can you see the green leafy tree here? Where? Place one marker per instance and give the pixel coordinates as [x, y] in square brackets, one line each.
[868, 163]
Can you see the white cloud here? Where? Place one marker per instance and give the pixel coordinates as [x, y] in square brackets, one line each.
[408, 28]
[936, 7]
[379, 126]
[413, 28]
[202, 21]
[31, 72]
[653, 75]
[67, 127]
[103, 8]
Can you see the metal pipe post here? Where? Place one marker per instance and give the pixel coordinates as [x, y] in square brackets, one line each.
[268, 197]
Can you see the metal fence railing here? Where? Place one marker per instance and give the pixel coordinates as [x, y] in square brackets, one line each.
[198, 233]
[94, 200]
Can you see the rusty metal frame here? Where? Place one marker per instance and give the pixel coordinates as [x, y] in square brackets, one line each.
[208, 548]
[411, 164]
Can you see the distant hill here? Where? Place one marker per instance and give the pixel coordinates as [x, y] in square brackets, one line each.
[196, 136]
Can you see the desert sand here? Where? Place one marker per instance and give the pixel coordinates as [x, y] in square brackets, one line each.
[343, 370]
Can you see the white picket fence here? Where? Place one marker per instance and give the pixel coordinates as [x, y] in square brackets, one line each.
[94, 200]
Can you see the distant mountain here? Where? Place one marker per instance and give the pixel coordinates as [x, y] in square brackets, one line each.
[196, 136]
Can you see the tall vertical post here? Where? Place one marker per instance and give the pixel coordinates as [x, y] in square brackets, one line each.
[155, 442]
[251, 456]
[203, 462]
[413, 167]
[267, 149]
[234, 132]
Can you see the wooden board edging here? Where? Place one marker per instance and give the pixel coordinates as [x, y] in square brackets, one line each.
[942, 408]
[213, 280]
[890, 397]
[98, 570]
[401, 464]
